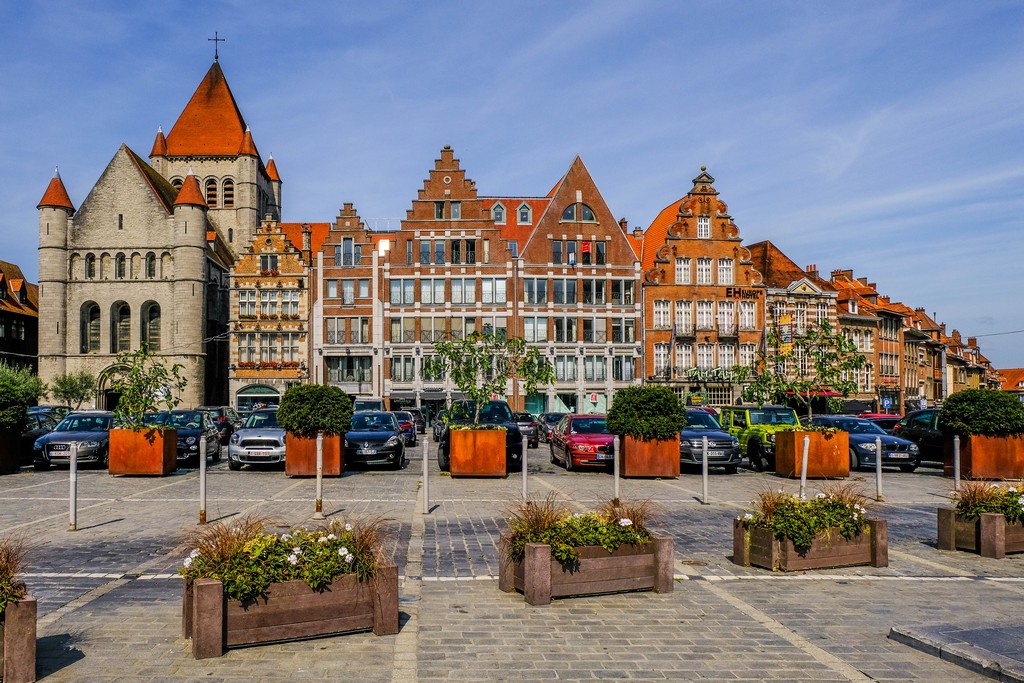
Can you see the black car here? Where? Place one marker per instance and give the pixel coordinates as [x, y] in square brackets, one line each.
[194, 427]
[922, 427]
[58, 413]
[420, 417]
[438, 425]
[225, 419]
[864, 433]
[723, 448]
[491, 413]
[36, 425]
[89, 429]
[407, 423]
[546, 423]
[530, 428]
[375, 438]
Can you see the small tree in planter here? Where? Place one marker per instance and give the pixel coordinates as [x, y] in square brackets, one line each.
[146, 385]
[648, 419]
[13, 417]
[17, 614]
[305, 411]
[482, 366]
[990, 424]
[73, 388]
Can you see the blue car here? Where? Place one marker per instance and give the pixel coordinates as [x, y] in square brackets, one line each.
[375, 438]
[896, 452]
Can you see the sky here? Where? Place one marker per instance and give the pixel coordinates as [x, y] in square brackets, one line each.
[883, 137]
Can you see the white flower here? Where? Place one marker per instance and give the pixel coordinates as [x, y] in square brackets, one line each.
[349, 558]
[331, 536]
[343, 551]
[293, 559]
[297, 550]
[285, 537]
[194, 553]
[820, 495]
[577, 515]
[625, 522]
[1012, 489]
[188, 562]
[748, 516]
[348, 527]
[323, 539]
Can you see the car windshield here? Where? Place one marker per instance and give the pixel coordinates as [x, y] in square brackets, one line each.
[551, 418]
[150, 419]
[84, 423]
[495, 412]
[699, 419]
[262, 419]
[524, 417]
[856, 425]
[373, 422]
[779, 416]
[589, 425]
[404, 416]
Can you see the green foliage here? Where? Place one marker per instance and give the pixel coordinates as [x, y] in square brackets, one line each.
[248, 560]
[985, 412]
[838, 506]
[648, 413]
[74, 388]
[310, 408]
[975, 497]
[550, 522]
[19, 388]
[483, 364]
[146, 385]
[831, 361]
[13, 553]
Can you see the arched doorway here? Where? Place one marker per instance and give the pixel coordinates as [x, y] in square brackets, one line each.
[106, 397]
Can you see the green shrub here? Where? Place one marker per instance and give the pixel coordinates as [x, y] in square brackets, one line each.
[13, 406]
[310, 408]
[985, 412]
[838, 506]
[647, 413]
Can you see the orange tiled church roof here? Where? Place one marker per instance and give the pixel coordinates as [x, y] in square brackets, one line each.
[211, 124]
[190, 192]
[56, 194]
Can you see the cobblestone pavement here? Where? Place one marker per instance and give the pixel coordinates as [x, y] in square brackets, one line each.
[110, 601]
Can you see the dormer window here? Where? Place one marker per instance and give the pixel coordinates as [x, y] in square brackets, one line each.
[525, 214]
[853, 306]
[498, 214]
[23, 294]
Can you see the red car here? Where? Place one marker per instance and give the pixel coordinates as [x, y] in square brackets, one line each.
[582, 441]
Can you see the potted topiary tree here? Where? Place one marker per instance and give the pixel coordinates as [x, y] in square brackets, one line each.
[17, 614]
[13, 417]
[307, 410]
[146, 385]
[483, 366]
[648, 420]
[990, 424]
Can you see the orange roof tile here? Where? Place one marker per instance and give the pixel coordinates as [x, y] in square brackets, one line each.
[56, 195]
[211, 123]
[272, 170]
[190, 192]
[293, 233]
[248, 146]
[13, 280]
[159, 145]
[778, 269]
[656, 234]
[1013, 379]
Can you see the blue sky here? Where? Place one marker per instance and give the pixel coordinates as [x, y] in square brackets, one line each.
[885, 137]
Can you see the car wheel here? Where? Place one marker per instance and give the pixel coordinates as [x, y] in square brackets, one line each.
[534, 444]
[568, 461]
[216, 454]
[234, 465]
[554, 460]
[104, 462]
[397, 464]
[730, 469]
[754, 455]
[854, 461]
[908, 468]
[443, 461]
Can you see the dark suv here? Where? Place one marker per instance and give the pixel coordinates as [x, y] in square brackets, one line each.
[723, 448]
[491, 413]
[922, 427]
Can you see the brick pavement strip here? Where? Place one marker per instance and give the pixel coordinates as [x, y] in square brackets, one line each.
[110, 602]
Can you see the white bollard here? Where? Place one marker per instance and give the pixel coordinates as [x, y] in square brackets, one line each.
[319, 513]
[73, 495]
[426, 479]
[956, 462]
[878, 470]
[704, 470]
[803, 468]
[526, 445]
[615, 466]
[202, 478]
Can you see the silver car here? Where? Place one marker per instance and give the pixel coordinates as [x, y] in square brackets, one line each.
[260, 440]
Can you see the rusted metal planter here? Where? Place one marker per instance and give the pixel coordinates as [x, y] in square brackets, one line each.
[758, 547]
[18, 641]
[292, 610]
[987, 457]
[477, 452]
[989, 535]
[300, 456]
[649, 458]
[630, 568]
[147, 452]
[828, 455]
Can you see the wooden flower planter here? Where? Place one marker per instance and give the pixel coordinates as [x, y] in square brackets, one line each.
[18, 641]
[150, 452]
[989, 535]
[477, 452]
[828, 455]
[649, 458]
[300, 456]
[630, 568]
[10, 459]
[291, 610]
[759, 547]
[987, 457]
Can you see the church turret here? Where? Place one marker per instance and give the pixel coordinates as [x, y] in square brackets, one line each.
[55, 214]
[189, 258]
[158, 157]
[275, 186]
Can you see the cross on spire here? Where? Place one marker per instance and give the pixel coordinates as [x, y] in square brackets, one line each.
[215, 40]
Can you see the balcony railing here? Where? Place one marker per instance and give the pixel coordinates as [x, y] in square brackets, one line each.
[684, 330]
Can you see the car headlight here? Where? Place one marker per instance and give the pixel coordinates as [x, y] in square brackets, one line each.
[38, 445]
[88, 444]
[869, 446]
[234, 439]
[913, 448]
[190, 440]
[770, 438]
[735, 442]
[393, 441]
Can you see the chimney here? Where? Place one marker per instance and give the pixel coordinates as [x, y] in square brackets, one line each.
[638, 234]
[623, 224]
[972, 341]
[307, 234]
[812, 269]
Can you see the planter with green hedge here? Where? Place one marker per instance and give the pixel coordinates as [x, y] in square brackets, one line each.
[648, 420]
[13, 417]
[990, 424]
[305, 411]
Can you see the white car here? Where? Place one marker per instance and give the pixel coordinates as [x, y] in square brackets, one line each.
[260, 440]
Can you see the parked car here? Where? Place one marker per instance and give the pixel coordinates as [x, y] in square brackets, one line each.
[546, 423]
[755, 427]
[884, 420]
[419, 415]
[582, 441]
[194, 428]
[723, 448]
[375, 438]
[863, 433]
[58, 413]
[407, 423]
[922, 427]
[367, 404]
[259, 441]
[496, 413]
[225, 419]
[89, 429]
[37, 425]
[530, 428]
[438, 426]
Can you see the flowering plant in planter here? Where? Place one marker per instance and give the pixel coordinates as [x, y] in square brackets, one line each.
[13, 553]
[839, 506]
[248, 559]
[551, 522]
[975, 498]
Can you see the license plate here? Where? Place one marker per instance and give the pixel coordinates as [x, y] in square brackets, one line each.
[604, 456]
[716, 454]
[367, 451]
[898, 455]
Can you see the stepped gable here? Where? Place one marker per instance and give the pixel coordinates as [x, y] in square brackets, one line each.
[211, 124]
[56, 194]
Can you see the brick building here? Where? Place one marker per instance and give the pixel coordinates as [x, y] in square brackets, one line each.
[19, 318]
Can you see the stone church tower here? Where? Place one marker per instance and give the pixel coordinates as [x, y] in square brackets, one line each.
[145, 259]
